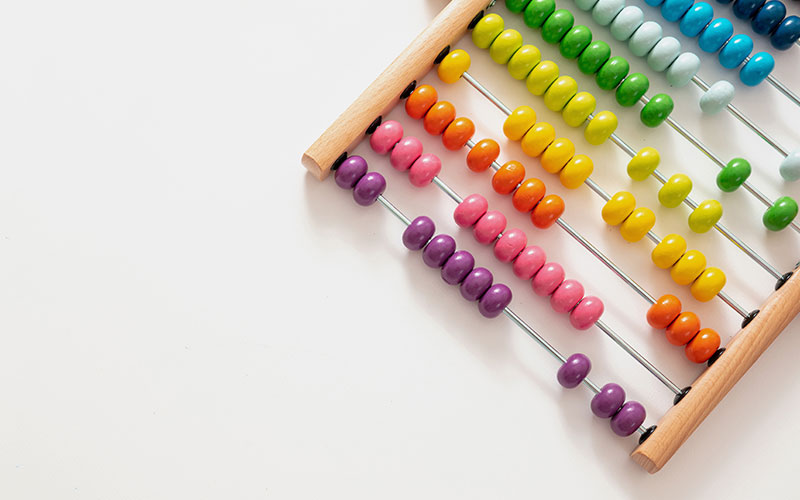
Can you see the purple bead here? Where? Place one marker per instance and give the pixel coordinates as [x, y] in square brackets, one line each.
[574, 370]
[350, 171]
[494, 300]
[368, 188]
[608, 401]
[628, 419]
[457, 267]
[440, 248]
[418, 233]
[476, 283]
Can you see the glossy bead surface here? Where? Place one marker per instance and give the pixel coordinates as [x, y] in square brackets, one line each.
[663, 312]
[627, 21]
[516, 6]
[735, 51]
[628, 419]
[510, 245]
[528, 262]
[518, 122]
[537, 139]
[705, 216]
[537, 12]
[454, 64]
[368, 188]
[438, 250]
[675, 190]
[557, 155]
[456, 135]
[780, 214]
[489, 226]
[576, 171]
[566, 296]
[574, 370]
[600, 128]
[664, 53]
[586, 313]
[578, 109]
[768, 17]
[482, 154]
[632, 89]
[673, 10]
[790, 166]
[405, 153]
[560, 92]
[557, 25]
[547, 211]
[612, 73]
[604, 11]
[786, 34]
[657, 109]
[508, 177]
[585, 5]
[715, 35]
[486, 30]
[549, 277]
[424, 169]
[682, 69]
[710, 282]
[618, 208]
[575, 41]
[637, 225]
[457, 267]
[645, 38]
[756, 69]
[523, 61]
[683, 328]
[688, 267]
[420, 101]
[418, 233]
[745, 9]
[644, 163]
[350, 171]
[607, 402]
[669, 251]
[439, 117]
[702, 346]
[528, 195]
[541, 77]
[470, 210]
[717, 97]
[696, 19]
[594, 57]
[505, 45]
[386, 136]
[476, 283]
[494, 300]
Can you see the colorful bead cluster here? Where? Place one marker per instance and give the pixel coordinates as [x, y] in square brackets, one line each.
[683, 329]
[688, 268]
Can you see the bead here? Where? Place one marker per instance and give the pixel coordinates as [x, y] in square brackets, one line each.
[438, 250]
[350, 171]
[673, 10]
[657, 109]
[576, 171]
[486, 30]
[578, 109]
[547, 211]
[653, 3]
[645, 38]
[528, 195]
[476, 283]
[456, 135]
[664, 53]
[489, 226]
[644, 163]
[669, 251]
[518, 122]
[537, 12]
[685, 326]
[482, 154]
[663, 312]
[496, 298]
[708, 284]
[508, 177]
[790, 166]
[745, 9]
[627, 21]
[523, 61]
[715, 35]
[628, 419]
[717, 97]
[618, 208]
[780, 214]
[549, 277]
[510, 245]
[696, 19]
[516, 6]
[675, 190]
[453, 66]
[756, 69]
[505, 45]
[768, 17]
[787, 32]
[585, 5]
[541, 77]
[632, 89]
[560, 92]
[537, 139]
[607, 402]
[574, 370]
[682, 69]
[705, 216]
[566, 296]
[702, 346]
[405, 153]
[439, 117]
[418, 233]
[420, 101]
[586, 313]
[368, 188]
[424, 169]
[600, 128]
[470, 210]
[457, 267]
[612, 73]
[594, 57]
[735, 51]
[604, 11]
[688, 267]
[557, 25]
[557, 155]
[575, 41]
[638, 224]
[386, 136]
[528, 262]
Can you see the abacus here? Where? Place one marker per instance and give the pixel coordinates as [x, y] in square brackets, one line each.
[560, 156]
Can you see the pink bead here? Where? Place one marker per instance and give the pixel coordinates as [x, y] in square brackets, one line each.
[586, 313]
[424, 169]
[470, 210]
[529, 262]
[510, 245]
[547, 279]
[405, 153]
[566, 296]
[489, 226]
[386, 136]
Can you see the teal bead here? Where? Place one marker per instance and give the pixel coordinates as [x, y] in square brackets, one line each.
[612, 73]
[537, 12]
[632, 89]
[733, 175]
[780, 214]
[657, 110]
[516, 6]
[557, 25]
[575, 41]
[593, 57]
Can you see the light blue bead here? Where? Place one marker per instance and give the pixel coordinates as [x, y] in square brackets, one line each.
[653, 3]
[756, 69]
[664, 53]
[715, 35]
[672, 10]
[585, 4]
[735, 51]
[682, 69]
[696, 19]
[645, 38]
[717, 97]
[605, 11]
[790, 166]
[627, 21]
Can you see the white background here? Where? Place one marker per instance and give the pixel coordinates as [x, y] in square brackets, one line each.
[185, 313]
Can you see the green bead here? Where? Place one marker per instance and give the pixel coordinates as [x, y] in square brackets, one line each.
[733, 175]
[612, 73]
[780, 214]
[557, 25]
[632, 89]
[593, 57]
[573, 43]
[657, 110]
[537, 12]
[516, 6]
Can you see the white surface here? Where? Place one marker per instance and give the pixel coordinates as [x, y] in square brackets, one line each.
[186, 313]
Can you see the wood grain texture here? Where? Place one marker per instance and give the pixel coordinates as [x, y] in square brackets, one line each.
[713, 384]
[382, 95]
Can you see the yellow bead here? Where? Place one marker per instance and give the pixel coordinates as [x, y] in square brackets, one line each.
[705, 216]
[557, 155]
[560, 92]
[688, 267]
[667, 253]
[523, 61]
[636, 226]
[576, 171]
[643, 164]
[708, 284]
[618, 208]
[453, 66]
[675, 190]
[537, 139]
[541, 77]
[600, 127]
[505, 45]
[487, 29]
[519, 122]
[578, 109]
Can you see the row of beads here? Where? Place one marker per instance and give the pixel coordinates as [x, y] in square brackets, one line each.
[683, 329]
[768, 18]
[366, 186]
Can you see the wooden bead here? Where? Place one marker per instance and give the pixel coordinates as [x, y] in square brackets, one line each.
[482, 154]
[576, 171]
[457, 134]
[541, 77]
[557, 155]
[643, 164]
[560, 92]
[600, 127]
[547, 211]
[508, 177]
[688, 267]
[528, 195]
[708, 284]
[702, 346]
[664, 311]
[439, 117]
[453, 66]
[578, 109]
[487, 29]
[519, 122]
[618, 208]
[505, 45]
[638, 224]
[705, 216]
[669, 251]
[523, 61]
[683, 329]
[537, 139]
[675, 190]
[420, 101]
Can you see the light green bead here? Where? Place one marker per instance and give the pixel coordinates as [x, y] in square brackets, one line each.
[523, 61]
[790, 166]
[675, 190]
[578, 109]
[664, 53]
[487, 29]
[537, 12]
[705, 216]
[604, 11]
[541, 77]
[717, 97]
[682, 69]
[560, 92]
[505, 45]
[645, 38]
[643, 164]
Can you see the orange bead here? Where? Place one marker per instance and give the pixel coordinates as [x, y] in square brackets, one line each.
[420, 101]
[685, 326]
[508, 177]
[547, 211]
[439, 117]
[528, 195]
[481, 156]
[458, 133]
[702, 346]
[664, 311]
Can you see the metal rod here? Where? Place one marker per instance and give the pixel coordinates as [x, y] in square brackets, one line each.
[783, 89]
[483, 90]
[395, 211]
[444, 187]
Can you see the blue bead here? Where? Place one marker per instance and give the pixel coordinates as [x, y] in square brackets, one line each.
[724, 2]
[756, 69]
[653, 3]
[672, 10]
[768, 17]
[715, 35]
[786, 33]
[735, 51]
[696, 19]
[745, 9]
